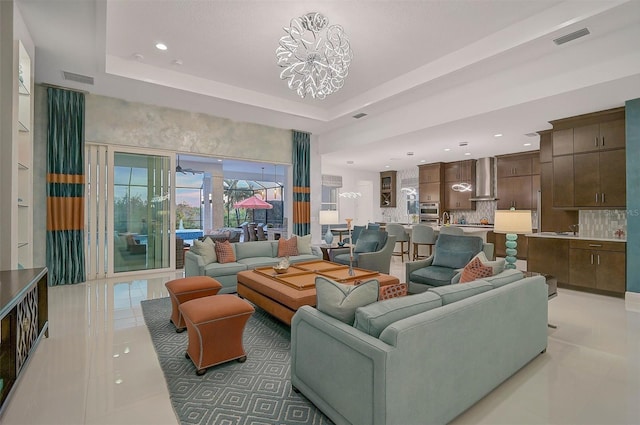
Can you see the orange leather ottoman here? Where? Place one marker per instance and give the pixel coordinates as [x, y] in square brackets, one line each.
[215, 326]
[189, 288]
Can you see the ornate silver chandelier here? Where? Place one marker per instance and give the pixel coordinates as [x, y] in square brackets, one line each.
[315, 56]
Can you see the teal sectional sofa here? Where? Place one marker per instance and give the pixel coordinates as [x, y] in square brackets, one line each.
[419, 359]
[249, 255]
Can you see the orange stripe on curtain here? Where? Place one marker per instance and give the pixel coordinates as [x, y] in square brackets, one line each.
[301, 212]
[65, 213]
[65, 178]
[301, 189]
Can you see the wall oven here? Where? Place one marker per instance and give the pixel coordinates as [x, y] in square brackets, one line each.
[429, 212]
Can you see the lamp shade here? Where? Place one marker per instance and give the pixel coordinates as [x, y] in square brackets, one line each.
[329, 217]
[512, 221]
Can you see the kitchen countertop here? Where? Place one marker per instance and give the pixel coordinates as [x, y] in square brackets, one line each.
[571, 236]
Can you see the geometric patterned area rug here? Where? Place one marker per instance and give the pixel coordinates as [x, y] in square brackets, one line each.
[256, 392]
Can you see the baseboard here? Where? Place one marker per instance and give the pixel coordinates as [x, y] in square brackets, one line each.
[632, 301]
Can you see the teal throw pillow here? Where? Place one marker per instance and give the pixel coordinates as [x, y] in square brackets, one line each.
[452, 259]
[341, 301]
[365, 246]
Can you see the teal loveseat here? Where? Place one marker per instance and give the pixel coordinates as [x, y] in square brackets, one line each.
[436, 354]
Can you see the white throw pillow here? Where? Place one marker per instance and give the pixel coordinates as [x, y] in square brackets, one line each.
[304, 245]
[205, 249]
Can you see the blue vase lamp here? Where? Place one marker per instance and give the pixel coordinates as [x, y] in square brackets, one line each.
[512, 222]
[328, 218]
[328, 237]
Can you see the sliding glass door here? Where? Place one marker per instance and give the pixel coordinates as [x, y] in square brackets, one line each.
[141, 212]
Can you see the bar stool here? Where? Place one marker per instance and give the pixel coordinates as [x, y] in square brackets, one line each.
[451, 230]
[422, 234]
[402, 237]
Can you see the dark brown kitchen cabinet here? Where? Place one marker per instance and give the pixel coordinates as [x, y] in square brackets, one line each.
[515, 182]
[520, 165]
[563, 181]
[431, 182]
[551, 219]
[597, 265]
[459, 172]
[599, 136]
[430, 173]
[430, 192]
[515, 192]
[388, 188]
[549, 256]
[535, 188]
[563, 142]
[592, 173]
[599, 179]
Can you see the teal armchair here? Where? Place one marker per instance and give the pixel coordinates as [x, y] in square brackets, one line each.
[372, 251]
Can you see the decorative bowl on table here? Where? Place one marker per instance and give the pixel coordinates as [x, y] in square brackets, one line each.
[341, 243]
[281, 270]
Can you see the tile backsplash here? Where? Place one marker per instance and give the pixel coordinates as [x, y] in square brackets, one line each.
[602, 223]
[486, 209]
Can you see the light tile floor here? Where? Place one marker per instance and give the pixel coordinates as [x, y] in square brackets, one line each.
[99, 367]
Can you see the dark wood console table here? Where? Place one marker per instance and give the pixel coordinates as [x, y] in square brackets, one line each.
[24, 321]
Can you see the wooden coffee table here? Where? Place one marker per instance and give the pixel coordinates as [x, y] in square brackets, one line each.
[281, 295]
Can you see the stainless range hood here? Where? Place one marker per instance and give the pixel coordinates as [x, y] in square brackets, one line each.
[485, 180]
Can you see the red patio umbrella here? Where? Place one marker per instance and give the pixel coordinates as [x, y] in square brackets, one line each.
[253, 203]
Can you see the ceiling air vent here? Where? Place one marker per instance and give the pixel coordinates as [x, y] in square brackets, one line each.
[78, 78]
[569, 37]
[360, 115]
[531, 134]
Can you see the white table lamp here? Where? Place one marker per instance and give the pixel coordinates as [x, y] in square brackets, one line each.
[328, 218]
[512, 222]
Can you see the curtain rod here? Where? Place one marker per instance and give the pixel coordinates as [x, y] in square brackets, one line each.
[55, 86]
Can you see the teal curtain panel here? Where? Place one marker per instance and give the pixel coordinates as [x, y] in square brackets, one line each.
[65, 187]
[301, 183]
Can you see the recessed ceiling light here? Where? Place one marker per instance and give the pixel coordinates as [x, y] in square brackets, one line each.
[423, 160]
[497, 135]
[447, 149]
[527, 144]
[219, 160]
[161, 46]
[387, 166]
[467, 153]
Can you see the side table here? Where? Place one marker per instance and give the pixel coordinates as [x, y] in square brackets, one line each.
[326, 250]
[552, 287]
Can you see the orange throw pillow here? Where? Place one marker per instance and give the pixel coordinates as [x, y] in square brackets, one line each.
[392, 291]
[224, 252]
[475, 270]
[288, 247]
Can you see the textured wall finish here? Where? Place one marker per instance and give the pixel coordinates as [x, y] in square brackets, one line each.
[603, 223]
[632, 110]
[119, 122]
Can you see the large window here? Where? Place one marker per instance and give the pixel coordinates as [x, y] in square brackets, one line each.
[141, 212]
